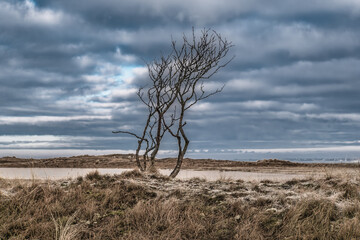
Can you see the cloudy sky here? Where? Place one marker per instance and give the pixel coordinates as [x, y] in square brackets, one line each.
[69, 71]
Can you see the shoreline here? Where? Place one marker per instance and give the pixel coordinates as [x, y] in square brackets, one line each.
[186, 174]
[128, 161]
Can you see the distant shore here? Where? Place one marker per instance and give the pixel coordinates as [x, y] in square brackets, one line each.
[128, 161]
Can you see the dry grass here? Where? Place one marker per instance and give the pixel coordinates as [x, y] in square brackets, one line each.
[132, 174]
[138, 206]
[197, 179]
[30, 212]
[67, 230]
[224, 178]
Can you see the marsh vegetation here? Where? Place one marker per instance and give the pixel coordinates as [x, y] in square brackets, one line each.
[137, 206]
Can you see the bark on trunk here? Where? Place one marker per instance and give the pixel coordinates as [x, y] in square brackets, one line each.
[137, 158]
[177, 168]
[181, 154]
[138, 163]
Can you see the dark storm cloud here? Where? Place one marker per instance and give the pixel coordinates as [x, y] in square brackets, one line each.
[70, 70]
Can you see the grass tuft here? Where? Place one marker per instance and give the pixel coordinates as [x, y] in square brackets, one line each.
[93, 176]
[132, 174]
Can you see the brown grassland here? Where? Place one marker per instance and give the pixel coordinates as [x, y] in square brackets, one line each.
[150, 206]
[128, 161]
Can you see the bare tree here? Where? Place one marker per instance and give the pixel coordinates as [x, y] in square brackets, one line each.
[158, 99]
[177, 84]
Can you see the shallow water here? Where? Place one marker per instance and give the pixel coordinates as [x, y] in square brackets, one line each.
[65, 173]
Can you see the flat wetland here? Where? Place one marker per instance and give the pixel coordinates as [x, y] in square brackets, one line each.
[288, 201]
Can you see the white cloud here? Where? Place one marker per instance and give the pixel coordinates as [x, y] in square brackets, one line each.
[258, 104]
[258, 39]
[298, 150]
[46, 153]
[28, 138]
[124, 93]
[124, 58]
[244, 85]
[202, 107]
[8, 120]
[135, 75]
[336, 116]
[26, 13]
[283, 115]
[85, 61]
[42, 17]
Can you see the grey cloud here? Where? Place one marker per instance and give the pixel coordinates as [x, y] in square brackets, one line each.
[142, 13]
[295, 78]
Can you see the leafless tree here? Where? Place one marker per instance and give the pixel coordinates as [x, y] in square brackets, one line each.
[177, 84]
[158, 98]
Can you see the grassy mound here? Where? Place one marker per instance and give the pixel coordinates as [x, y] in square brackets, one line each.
[137, 206]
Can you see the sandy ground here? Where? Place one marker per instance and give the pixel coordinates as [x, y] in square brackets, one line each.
[208, 169]
[209, 175]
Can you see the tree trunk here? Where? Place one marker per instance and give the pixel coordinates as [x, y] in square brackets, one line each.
[181, 154]
[177, 168]
[137, 157]
[138, 163]
[153, 155]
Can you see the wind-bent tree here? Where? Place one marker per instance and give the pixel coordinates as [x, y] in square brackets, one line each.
[158, 98]
[177, 84]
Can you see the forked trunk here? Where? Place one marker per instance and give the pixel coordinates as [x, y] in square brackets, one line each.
[177, 168]
[141, 168]
[152, 156]
[138, 163]
[181, 154]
